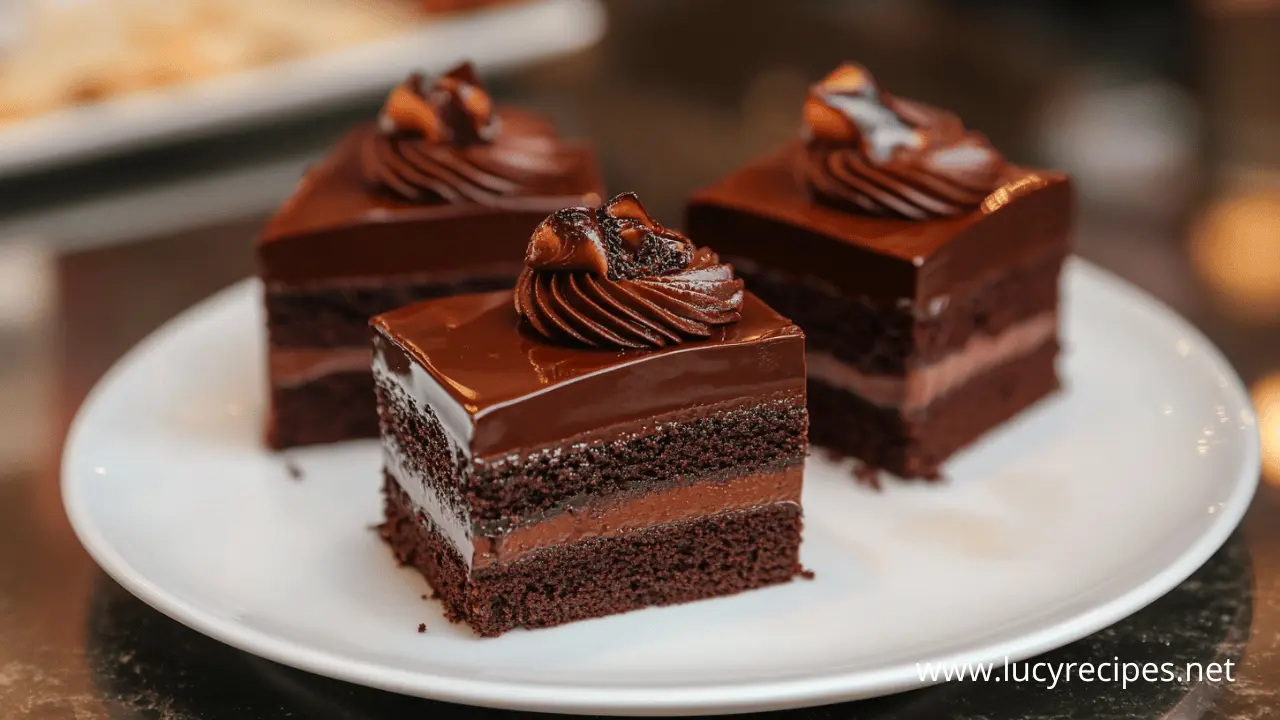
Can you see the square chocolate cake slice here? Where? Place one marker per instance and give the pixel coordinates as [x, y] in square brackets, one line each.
[627, 429]
[922, 267]
[437, 199]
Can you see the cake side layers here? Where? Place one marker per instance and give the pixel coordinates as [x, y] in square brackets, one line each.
[330, 408]
[294, 367]
[595, 517]
[915, 446]
[880, 339]
[679, 562]
[525, 393]
[887, 384]
[336, 312]
[639, 509]
[751, 444]
[428, 462]
[913, 392]
[319, 356]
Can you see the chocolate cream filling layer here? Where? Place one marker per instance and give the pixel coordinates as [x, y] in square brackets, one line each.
[619, 515]
[601, 517]
[920, 386]
[291, 367]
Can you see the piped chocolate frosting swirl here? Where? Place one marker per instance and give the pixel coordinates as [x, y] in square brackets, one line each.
[613, 277]
[868, 151]
[446, 143]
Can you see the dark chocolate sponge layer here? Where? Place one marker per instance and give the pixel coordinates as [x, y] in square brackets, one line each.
[663, 565]
[330, 409]
[885, 341]
[914, 447]
[505, 491]
[425, 448]
[336, 314]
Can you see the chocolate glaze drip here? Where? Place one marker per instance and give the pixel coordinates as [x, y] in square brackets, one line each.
[612, 277]
[447, 144]
[874, 153]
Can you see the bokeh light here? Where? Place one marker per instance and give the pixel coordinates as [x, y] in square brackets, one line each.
[1235, 247]
[1266, 398]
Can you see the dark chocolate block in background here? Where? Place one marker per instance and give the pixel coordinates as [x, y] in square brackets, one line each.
[902, 316]
[338, 252]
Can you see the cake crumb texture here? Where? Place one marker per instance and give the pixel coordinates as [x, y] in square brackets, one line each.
[333, 408]
[915, 446]
[731, 443]
[713, 556]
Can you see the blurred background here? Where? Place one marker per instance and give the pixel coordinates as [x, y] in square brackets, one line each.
[144, 142]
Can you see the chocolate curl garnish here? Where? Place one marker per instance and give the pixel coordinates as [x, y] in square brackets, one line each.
[846, 107]
[455, 110]
[613, 277]
[441, 144]
[570, 239]
[871, 152]
[633, 224]
[618, 240]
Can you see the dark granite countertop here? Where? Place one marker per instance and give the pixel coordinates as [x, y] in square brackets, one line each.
[1168, 115]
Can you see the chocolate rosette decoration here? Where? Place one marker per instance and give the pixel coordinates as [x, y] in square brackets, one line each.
[446, 143]
[612, 277]
[871, 152]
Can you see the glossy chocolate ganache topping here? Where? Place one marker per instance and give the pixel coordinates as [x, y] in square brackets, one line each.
[446, 143]
[612, 277]
[871, 152]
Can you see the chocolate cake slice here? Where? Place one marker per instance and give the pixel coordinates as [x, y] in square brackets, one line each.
[627, 429]
[437, 198]
[922, 267]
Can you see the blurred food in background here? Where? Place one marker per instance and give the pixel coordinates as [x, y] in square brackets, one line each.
[1235, 246]
[27, 304]
[60, 53]
[447, 6]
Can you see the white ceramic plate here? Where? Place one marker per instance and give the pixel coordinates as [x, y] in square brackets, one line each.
[495, 39]
[1084, 510]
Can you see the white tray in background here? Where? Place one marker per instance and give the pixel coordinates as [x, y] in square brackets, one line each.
[495, 39]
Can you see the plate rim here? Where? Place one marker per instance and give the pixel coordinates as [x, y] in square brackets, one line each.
[720, 698]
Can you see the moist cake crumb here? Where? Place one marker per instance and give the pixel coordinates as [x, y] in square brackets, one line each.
[422, 627]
